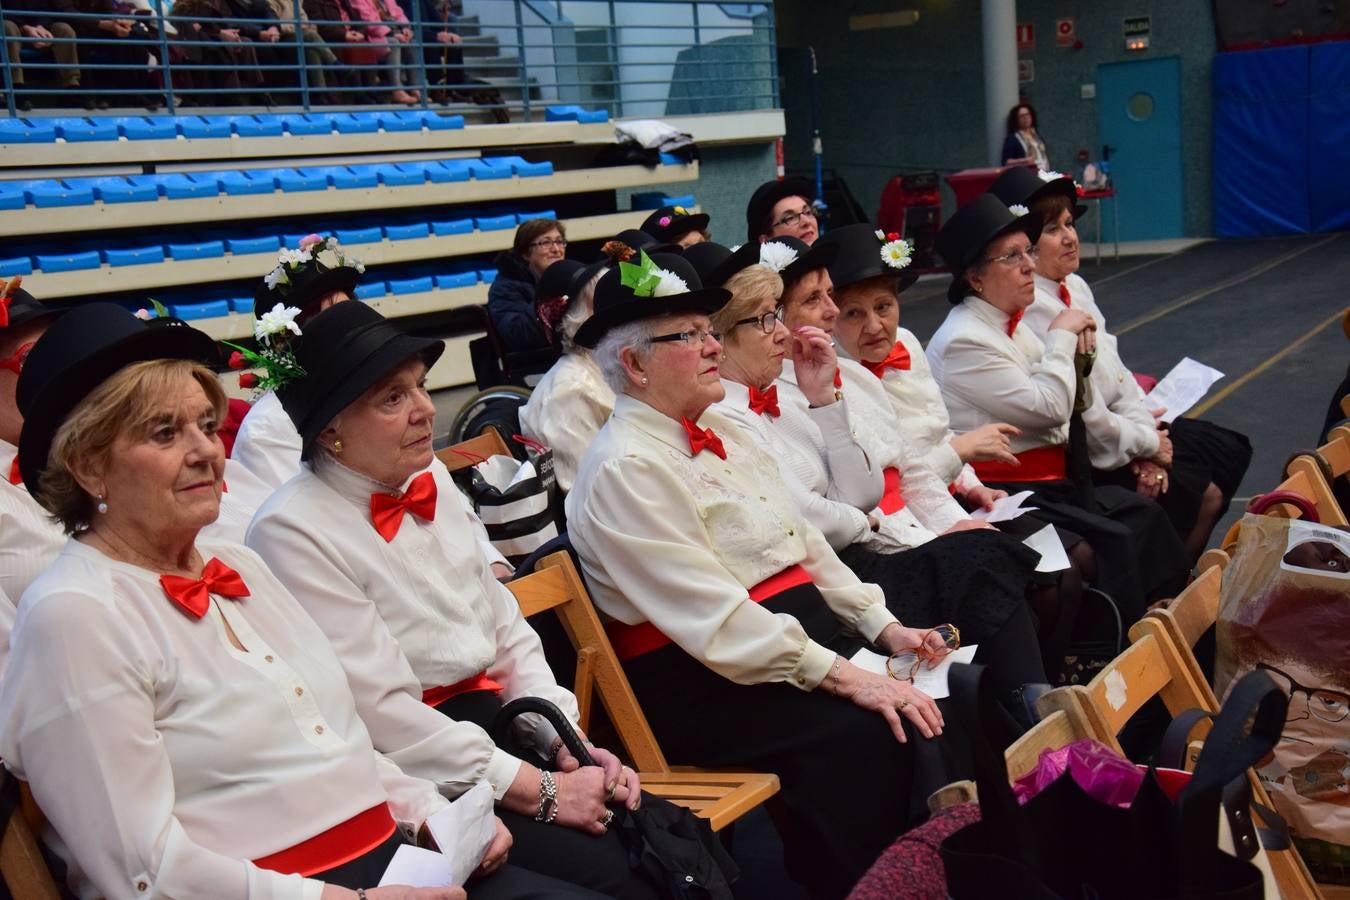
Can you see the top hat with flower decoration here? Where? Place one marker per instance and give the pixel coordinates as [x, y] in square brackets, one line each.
[660, 285]
[974, 227]
[303, 276]
[1021, 185]
[865, 253]
[670, 223]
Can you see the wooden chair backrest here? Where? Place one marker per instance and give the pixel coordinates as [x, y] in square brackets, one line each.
[475, 449]
[1337, 451]
[555, 584]
[1184, 621]
[1062, 726]
[1308, 481]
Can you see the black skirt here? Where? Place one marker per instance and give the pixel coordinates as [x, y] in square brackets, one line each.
[849, 786]
[1202, 454]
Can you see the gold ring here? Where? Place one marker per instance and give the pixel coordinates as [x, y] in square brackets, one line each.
[1159, 478]
[903, 704]
[609, 817]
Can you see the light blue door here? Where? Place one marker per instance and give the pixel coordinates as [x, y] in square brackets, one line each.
[1139, 118]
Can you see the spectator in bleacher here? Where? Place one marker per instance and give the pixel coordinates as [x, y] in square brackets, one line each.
[333, 23]
[319, 57]
[1192, 468]
[389, 33]
[433, 644]
[128, 46]
[732, 616]
[40, 32]
[676, 225]
[185, 728]
[511, 299]
[781, 209]
[571, 402]
[992, 368]
[222, 64]
[29, 540]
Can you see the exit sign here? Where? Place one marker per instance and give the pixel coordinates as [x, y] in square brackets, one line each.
[1136, 30]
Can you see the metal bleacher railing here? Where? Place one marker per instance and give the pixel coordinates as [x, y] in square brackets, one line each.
[512, 57]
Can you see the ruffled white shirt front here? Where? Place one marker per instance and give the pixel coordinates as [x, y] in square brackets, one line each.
[677, 540]
[418, 612]
[566, 410]
[163, 756]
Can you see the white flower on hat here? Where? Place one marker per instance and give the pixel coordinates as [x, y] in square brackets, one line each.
[361, 268]
[278, 320]
[1018, 210]
[881, 235]
[668, 284]
[1049, 175]
[329, 259]
[274, 276]
[736, 247]
[775, 256]
[897, 254]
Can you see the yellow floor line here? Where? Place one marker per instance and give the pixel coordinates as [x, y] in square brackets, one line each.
[1202, 408]
[1221, 286]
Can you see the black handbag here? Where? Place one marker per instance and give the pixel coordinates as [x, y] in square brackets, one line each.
[1065, 845]
[677, 850]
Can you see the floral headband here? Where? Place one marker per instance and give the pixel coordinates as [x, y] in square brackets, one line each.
[647, 279]
[895, 251]
[326, 251]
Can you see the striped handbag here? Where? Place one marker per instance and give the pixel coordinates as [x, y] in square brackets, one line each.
[517, 502]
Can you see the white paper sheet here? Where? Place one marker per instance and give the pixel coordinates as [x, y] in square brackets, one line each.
[1005, 510]
[1046, 543]
[464, 829]
[932, 682]
[1182, 388]
[417, 867]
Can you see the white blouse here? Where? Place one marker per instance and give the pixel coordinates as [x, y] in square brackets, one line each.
[163, 756]
[566, 410]
[677, 541]
[418, 612]
[922, 417]
[1120, 429]
[805, 473]
[986, 376]
[29, 538]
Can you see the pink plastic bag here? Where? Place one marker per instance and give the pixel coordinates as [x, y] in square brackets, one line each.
[1099, 771]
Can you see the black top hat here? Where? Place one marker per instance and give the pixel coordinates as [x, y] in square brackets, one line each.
[707, 257]
[558, 278]
[344, 350]
[81, 350]
[975, 226]
[669, 223]
[617, 304]
[859, 257]
[760, 207]
[817, 256]
[1021, 185]
[636, 238]
[306, 284]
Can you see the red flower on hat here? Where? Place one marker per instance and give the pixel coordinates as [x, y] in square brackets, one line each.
[248, 380]
[1078, 189]
[892, 236]
[237, 360]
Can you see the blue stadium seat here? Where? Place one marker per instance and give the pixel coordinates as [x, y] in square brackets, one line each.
[27, 131]
[410, 285]
[51, 192]
[241, 305]
[242, 246]
[522, 218]
[395, 176]
[437, 122]
[208, 310]
[355, 123]
[407, 232]
[484, 170]
[16, 265]
[78, 128]
[205, 126]
[12, 196]
[446, 170]
[487, 276]
[116, 189]
[656, 200]
[200, 250]
[458, 280]
[363, 176]
[240, 183]
[178, 186]
[134, 256]
[371, 235]
[294, 180]
[307, 123]
[257, 126]
[400, 120]
[67, 262]
[494, 223]
[575, 114]
[147, 128]
[670, 159]
[453, 226]
[519, 166]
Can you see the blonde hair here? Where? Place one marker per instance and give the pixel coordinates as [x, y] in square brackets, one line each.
[126, 404]
[749, 287]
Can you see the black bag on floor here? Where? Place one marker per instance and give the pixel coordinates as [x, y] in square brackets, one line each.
[677, 850]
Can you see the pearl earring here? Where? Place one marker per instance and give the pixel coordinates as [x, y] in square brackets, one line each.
[644, 379]
[337, 445]
[102, 506]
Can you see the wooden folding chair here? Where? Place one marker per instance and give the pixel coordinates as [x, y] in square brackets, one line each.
[1307, 482]
[719, 797]
[24, 870]
[466, 453]
[1329, 461]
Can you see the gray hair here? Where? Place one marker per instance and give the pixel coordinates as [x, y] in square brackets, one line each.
[637, 335]
[578, 311]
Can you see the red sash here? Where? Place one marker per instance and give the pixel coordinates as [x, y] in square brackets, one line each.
[1038, 464]
[340, 844]
[634, 640]
[891, 501]
[437, 695]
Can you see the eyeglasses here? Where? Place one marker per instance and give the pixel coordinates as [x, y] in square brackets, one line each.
[903, 666]
[1032, 253]
[14, 362]
[550, 242]
[794, 217]
[1329, 706]
[690, 338]
[767, 322]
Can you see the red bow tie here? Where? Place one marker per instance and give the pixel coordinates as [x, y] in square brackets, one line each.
[898, 358]
[766, 402]
[193, 597]
[1064, 294]
[701, 439]
[4, 312]
[14, 476]
[1012, 322]
[838, 378]
[386, 510]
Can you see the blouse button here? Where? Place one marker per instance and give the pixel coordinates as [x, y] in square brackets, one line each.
[792, 532]
[299, 692]
[318, 729]
[142, 886]
[268, 658]
[763, 499]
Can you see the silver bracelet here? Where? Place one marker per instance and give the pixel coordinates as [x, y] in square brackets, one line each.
[548, 798]
[838, 664]
[360, 894]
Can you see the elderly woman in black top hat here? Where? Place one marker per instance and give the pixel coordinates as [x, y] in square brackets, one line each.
[781, 209]
[432, 643]
[304, 282]
[677, 226]
[734, 619]
[991, 368]
[184, 726]
[1190, 467]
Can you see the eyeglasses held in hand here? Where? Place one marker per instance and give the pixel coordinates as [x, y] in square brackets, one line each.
[1327, 705]
[1032, 253]
[550, 242]
[689, 338]
[903, 666]
[766, 322]
[793, 218]
[14, 362]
